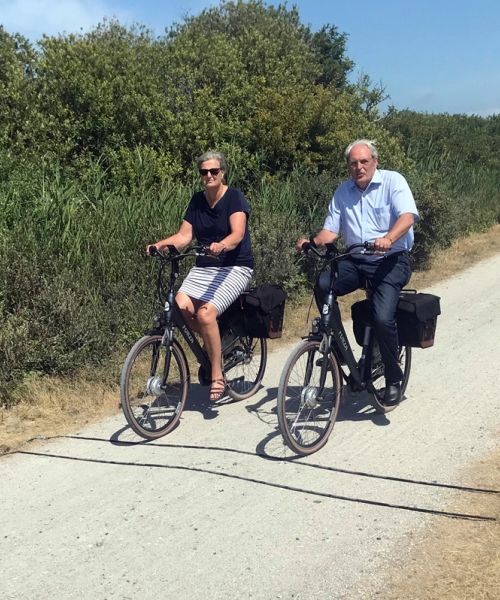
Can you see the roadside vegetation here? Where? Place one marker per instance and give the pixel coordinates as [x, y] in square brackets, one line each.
[98, 137]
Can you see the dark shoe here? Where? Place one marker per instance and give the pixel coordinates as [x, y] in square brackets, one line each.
[392, 394]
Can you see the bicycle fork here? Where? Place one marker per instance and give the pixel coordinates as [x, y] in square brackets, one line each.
[311, 395]
[156, 385]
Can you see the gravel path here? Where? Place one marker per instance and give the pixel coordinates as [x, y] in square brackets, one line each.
[209, 513]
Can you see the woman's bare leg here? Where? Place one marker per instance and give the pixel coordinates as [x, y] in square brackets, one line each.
[202, 318]
[206, 317]
[188, 307]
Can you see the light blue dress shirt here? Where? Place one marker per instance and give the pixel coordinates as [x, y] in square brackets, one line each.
[365, 215]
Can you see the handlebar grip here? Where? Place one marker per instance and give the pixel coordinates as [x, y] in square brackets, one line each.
[306, 246]
[153, 251]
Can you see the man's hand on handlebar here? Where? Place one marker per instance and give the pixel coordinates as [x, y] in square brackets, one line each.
[382, 244]
[298, 247]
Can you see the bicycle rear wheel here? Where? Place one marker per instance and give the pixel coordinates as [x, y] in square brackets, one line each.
[153, 410]
[307, 411]
[244, 360]
[378, 376]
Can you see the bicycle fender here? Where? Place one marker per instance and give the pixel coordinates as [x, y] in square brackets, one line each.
[183, 354]
[312, 337]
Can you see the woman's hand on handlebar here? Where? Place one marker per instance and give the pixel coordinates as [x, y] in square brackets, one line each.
[155, 250]
[217, 248]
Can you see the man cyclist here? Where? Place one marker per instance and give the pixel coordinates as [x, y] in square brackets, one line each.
[376, 206]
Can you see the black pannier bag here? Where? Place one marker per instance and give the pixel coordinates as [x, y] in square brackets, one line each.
[263, 311]
[416, 316]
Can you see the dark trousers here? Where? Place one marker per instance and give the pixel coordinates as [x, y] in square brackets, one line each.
[388, 276]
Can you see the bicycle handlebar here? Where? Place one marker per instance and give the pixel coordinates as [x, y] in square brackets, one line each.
[174, 254]
[333, 253]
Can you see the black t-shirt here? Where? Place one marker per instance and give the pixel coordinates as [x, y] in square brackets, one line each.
[212, 225]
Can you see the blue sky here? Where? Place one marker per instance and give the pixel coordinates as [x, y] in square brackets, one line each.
[432, 55]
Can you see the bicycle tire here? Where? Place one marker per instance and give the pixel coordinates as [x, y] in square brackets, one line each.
[306, 422]
[404, 354]
[244, 366]
[140, 381]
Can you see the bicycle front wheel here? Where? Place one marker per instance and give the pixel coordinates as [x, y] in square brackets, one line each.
[307, 410]
[153, 409]
[244, 366]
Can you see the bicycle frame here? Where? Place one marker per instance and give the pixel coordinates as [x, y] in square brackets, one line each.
[331, 326]
[172, 314]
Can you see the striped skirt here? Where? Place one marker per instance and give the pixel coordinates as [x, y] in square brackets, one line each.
[218, 285]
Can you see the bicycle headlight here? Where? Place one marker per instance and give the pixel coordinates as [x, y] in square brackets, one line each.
[315, 325]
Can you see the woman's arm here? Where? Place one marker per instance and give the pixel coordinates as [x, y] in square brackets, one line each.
[180, 239]
[237, 224]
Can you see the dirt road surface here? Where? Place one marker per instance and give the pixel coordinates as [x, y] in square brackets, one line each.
[214, 511]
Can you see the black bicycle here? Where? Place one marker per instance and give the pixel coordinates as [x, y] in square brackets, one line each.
[156, 378]
[312, 381]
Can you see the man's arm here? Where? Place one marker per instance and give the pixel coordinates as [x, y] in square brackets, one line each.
[323, 237]
[398, 230]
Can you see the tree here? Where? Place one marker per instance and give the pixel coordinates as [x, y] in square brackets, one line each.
[242, 76]
[16, 98]
[329, 47]
[370, 96]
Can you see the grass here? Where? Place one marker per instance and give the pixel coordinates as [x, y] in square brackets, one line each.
[453, 559]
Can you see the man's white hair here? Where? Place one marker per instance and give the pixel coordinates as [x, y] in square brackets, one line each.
[370, 144]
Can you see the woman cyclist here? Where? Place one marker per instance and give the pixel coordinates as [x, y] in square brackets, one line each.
[218, 218]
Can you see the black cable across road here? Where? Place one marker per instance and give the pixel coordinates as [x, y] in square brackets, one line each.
[453, 515]
[294, 461]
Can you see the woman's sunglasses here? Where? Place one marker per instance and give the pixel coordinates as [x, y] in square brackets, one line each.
[205, 172]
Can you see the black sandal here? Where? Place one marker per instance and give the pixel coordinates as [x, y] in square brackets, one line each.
[219, 391]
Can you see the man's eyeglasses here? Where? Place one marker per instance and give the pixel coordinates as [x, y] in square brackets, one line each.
[205, 172]
[354, 163]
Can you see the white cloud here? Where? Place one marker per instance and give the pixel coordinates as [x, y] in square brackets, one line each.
[32, 18]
